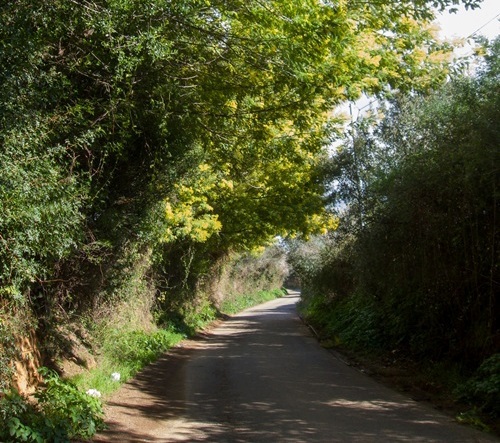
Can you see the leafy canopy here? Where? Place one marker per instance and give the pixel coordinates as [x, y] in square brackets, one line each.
[214, 114]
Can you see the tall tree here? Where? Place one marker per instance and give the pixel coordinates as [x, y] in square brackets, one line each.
[178, 120]
[425, 182]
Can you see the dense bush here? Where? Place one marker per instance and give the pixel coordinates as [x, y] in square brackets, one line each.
[484, 386]
[414, 264]
[61, 413]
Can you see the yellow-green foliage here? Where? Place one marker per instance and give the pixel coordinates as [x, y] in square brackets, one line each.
[217, 113]
[189, 214]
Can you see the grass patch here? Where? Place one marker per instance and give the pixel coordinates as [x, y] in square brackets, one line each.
[125, 353]
[235, 304]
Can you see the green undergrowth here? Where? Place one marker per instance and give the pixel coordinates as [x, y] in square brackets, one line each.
[354, 321]
[125, 353]
[59, 412]
[353, 326]
[193, 319]
[235, 304]
[65, 409]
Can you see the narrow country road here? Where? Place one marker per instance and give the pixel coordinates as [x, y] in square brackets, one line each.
[262, 377]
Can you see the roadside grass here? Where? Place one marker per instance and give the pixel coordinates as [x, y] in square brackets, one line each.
[127, 352]
[235, 304]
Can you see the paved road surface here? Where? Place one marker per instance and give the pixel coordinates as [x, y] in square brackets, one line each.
[262, 377]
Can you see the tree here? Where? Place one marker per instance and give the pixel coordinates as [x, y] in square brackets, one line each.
[170, 114]
[424, 260]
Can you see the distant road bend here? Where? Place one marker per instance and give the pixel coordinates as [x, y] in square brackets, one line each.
[262, 377]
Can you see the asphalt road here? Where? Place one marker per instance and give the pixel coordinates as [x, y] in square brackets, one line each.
[262, 377]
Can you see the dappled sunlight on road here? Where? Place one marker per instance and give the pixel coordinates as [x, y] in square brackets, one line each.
[261, 377]
[375, 405]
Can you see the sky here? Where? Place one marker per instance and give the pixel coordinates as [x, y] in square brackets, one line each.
[464, 23]
[460, 25]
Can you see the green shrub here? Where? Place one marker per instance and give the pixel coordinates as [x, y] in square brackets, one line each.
[199, 316]
[357, 322]
[354, 321]
[484, 387]
[7, 354]
[62, 412]
[21, 420]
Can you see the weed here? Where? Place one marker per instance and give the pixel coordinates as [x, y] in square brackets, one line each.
[137, 348]
[62, 412]
[473, 418]
[197, 318]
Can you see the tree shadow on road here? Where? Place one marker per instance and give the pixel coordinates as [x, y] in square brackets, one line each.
[278, 386]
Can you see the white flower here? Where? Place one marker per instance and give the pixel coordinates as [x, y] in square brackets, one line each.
[94, 393]
[115, 376]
